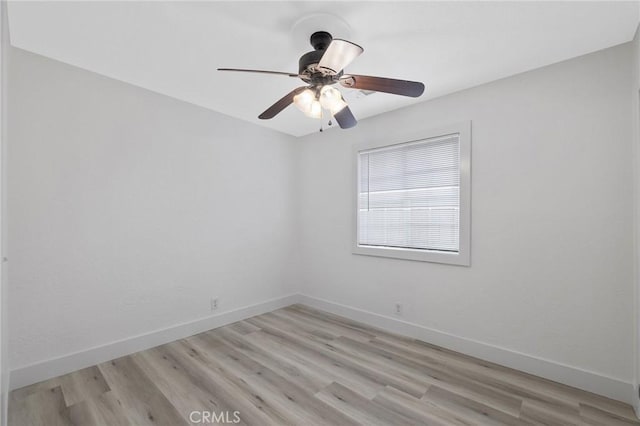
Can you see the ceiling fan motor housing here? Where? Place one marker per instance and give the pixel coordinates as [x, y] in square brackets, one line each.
[320, 40]
[307, 60]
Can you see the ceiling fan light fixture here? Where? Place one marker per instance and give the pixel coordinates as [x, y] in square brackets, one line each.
[303, 99]
[324, 67]
[331, 99]
[314, 110]
[307, 103]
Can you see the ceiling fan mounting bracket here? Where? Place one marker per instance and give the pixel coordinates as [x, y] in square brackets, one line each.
[320, 40]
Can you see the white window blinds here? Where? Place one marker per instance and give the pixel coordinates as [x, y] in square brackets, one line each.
[409, 195]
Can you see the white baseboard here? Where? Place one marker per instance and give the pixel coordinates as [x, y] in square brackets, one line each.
[4, 382]
[66, 364]
[573, 376]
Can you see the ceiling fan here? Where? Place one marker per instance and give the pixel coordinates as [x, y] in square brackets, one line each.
[321, 69]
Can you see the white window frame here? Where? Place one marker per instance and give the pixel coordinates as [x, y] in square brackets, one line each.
[463, 256]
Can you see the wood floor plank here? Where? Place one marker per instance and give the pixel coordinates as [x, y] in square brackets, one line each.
[359, 408]
[321, 363]
[141, 399]
[243, 327]
[312, 336]
[482, 382]
[607, 405]
[83, 384]
[301, 366]
[543, 413]
[179, 380]
[595, 416]
[327, 326]
[45, 407]
[21, 393]
[324, 334]
[230, 390]
[300, 376]
[468, 409]
[104, 409]
[442, 376]
[323, 370]
[326, 317]
[420, 411]
[361, 365]
[500, 378]
[297, 402]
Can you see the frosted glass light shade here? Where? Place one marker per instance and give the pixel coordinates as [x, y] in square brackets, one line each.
[314, 110]
[311, 103]
[303, 100]
[331, 99]
[306, 101]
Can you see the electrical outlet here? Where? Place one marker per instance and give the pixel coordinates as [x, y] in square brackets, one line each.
[214, 303]
[398, 309]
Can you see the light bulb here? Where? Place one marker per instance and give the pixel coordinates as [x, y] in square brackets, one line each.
[329, 96]
[315, 110]
[304, 99]
[331, 99]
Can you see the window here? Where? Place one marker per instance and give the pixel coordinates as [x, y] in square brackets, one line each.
[413, 198]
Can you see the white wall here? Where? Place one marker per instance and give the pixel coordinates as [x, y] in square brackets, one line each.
[551, 271]
[4, 367]
[635, 103]
[129, 210]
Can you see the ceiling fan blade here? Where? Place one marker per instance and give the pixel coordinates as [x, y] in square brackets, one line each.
[286, 100]
[345, 118]
[259, 71]
[380, 84]
[339, 54]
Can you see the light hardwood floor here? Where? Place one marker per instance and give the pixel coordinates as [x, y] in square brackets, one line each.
[301, 366]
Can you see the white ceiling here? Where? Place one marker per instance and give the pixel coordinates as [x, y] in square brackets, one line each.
[174, 48]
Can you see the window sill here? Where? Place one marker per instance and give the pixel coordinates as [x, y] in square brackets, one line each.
[460, 258]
